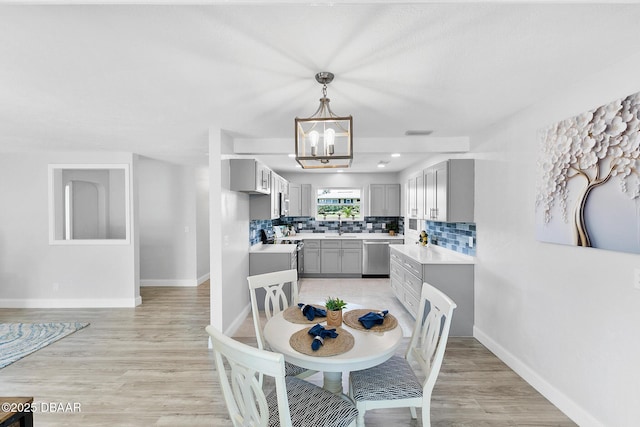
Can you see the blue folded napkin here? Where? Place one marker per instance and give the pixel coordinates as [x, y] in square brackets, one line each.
[319, 334]
[373, 318]
[311, 312]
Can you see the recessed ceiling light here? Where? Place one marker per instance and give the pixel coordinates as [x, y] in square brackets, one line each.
[395, 155]
[381, 165]
[418, 132]
[298, 166]
[293, 156]
[340, 171]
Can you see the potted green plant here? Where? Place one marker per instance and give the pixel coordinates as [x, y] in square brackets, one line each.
[348, 212]
[393, 228]
[334, 311]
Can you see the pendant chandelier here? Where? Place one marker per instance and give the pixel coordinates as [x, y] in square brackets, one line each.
[324, 140]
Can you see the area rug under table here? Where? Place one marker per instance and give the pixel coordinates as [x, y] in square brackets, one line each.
[18, 340]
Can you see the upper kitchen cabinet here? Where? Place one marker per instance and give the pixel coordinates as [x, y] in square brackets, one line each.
[415, 196]
[299, 199]
[384, 200]
[449, 191]
[279, 195]
[268, 190]
[273, 205]
[250, 176]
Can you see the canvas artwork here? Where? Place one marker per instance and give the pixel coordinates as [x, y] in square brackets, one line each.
[589, 179]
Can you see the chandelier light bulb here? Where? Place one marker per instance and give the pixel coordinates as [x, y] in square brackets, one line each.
[314, 136]
[330, 139]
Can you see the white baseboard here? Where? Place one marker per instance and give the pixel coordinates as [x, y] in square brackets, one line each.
[237, 322]
[570, 408]
[169, 282]
[203, 278]
[70, 302]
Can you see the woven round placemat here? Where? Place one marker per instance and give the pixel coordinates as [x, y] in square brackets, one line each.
[301, 341]
[350, 318]
[294, 315]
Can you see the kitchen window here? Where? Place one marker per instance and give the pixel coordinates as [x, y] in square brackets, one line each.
[334, 204]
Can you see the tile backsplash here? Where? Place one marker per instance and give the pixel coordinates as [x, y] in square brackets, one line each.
[454, 236]
[310, 225]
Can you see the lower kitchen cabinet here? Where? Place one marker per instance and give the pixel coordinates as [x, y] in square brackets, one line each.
[332, 258]
[351, 260]
[340, 257]
[311, 257]
[454, 279]
[330, 261]
[265, 262]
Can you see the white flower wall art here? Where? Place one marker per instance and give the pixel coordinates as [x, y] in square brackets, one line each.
[589, 179]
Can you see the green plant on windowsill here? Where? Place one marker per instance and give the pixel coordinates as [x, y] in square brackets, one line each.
[347, 211]
[335, 304]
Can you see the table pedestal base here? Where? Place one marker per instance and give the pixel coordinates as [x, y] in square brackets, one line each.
[333, 382]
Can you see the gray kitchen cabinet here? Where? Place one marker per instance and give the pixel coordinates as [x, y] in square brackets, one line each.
[420, 196]
[262, 262]
[268, 206]
[311, 256]
[456, 280]
[249, 176]
[264, 186]
[412, 206]
[275, 196]
[449, 191]
[340, 257]
[306, 204]
[351, 260]
[384, 200]
[415, 196]
[299, 199]
[263, 207]
[295, 199]
[330, 257]
[330, 261]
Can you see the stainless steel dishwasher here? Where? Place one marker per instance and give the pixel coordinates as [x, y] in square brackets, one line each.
[375, 258]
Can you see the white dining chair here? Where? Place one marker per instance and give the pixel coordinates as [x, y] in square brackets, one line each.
[275, 301]
[294, 402]
[394, 384]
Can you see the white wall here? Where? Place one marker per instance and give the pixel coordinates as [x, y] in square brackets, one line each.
[565, 318]
[229, 240]
[202, 223]
[36, 274]
[168, 224]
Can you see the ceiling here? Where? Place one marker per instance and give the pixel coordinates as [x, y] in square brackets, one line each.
[153, 79]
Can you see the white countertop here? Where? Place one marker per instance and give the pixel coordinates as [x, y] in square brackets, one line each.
[432, 254]
[346, 236]
[272, 249]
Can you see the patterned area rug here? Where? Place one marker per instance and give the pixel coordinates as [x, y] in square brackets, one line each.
[18, 340]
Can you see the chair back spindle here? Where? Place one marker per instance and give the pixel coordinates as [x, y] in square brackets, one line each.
[241, 387]
[275, 299]
[429, 339]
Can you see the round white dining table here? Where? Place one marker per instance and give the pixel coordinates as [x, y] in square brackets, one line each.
[369, 349]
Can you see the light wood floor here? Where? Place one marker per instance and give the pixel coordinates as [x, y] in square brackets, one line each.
[150, 366]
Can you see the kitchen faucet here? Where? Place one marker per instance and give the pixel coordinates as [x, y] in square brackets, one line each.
[339, 225]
